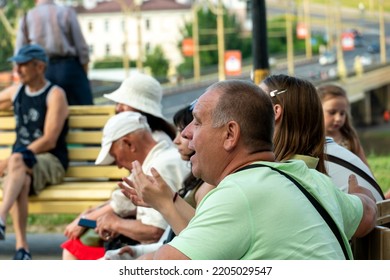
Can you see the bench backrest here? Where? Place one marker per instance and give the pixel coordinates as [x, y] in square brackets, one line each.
[376, 245]
[84, 139]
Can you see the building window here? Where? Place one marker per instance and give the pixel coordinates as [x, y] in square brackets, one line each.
[147, 48]
[147, 24]
[106, 25]
[90, 26]
[108, 50]
[248, 9]
[90, 49]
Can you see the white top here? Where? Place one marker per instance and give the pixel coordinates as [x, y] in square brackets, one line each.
[167, 161]
[340, 174]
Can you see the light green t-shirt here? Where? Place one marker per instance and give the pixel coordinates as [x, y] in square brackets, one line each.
[260, 214]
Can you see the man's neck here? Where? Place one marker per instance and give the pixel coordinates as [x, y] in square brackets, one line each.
[36, 85]
[242, 161]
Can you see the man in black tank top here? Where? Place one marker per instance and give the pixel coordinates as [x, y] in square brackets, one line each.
[39, 155]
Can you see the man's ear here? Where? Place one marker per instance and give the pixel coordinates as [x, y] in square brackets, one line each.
[232, 135]
[278, 110]
[129, 143]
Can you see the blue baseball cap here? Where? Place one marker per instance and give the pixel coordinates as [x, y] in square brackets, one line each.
[29, 52]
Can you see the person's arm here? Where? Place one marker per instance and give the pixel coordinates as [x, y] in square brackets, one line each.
[78, 39]
[73, 230]
[360, 153]
[368, 220]
[56, 114]
[110, 224]
[6, 97]
[168, 252]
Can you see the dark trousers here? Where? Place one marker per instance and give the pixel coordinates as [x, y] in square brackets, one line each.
[68, 73]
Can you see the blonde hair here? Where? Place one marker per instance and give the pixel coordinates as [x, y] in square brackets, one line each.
[330, 91]
[302, 129]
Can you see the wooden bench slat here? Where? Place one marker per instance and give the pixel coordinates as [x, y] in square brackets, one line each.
[96, 171]
[7, 123]
[61, 207]
[84, 137]
[92, 110]
[74, 137]
[7, 138]
[75, 153]
[87, 121]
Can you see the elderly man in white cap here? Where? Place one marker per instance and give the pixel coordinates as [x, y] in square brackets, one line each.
[127, 137]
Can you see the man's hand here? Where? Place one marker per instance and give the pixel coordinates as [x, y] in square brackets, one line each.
[354, 188]
[152, 190]
[105, 225]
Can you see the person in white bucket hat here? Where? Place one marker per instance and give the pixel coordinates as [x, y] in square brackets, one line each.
[142, 93]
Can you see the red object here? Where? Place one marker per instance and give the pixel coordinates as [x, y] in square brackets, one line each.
[81, 251]
[233, 63]
[348, 41]
[188, 47]
[301, 31]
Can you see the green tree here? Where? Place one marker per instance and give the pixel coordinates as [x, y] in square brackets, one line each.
[12, 12]
[158, 63]
[208, 36]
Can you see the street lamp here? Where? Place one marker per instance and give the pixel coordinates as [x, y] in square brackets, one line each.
[290, 40]
[382, 32]
[218, 11]
[126, 14]
[341, 68]
[306, 11]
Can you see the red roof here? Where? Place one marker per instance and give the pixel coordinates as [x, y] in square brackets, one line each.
[150, 5]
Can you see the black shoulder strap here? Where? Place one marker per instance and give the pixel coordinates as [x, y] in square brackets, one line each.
[321, 210]
[356, 170]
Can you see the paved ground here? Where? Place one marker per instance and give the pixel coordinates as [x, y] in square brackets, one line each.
[44, 246]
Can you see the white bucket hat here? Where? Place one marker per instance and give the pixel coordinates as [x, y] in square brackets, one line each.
[116, 127]
[140, 91]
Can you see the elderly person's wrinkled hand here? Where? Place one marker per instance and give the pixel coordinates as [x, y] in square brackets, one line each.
[152, 190]
[105, 225]
[131, 193]
[73, 230]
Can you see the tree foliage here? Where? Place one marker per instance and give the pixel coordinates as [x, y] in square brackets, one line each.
[208, 36]
[157, 62]
[12, 11]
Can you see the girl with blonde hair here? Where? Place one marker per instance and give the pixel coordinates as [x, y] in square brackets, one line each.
[338, 123]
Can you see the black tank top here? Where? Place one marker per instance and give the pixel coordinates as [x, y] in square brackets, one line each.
[30, 114]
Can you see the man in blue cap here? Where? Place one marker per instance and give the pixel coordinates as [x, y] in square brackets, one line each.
[39, 155]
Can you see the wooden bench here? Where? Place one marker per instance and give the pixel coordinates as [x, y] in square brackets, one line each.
[85, 185]
[376, 245]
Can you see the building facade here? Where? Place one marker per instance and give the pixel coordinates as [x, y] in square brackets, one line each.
[111, 27]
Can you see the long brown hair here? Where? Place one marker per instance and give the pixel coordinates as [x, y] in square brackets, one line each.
[302, 129]
[330, 91]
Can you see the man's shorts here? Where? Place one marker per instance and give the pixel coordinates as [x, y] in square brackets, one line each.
[47, 171]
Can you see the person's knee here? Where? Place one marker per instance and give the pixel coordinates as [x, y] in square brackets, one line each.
[16, 163]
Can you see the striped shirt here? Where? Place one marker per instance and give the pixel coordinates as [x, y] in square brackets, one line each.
[56, 29]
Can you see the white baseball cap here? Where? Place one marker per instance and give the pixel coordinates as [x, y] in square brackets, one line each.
[140, 91]
[116, 127]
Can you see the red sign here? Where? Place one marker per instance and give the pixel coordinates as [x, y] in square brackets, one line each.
[347, 41]
[233, 62]
[188, 47]
[301, 31]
